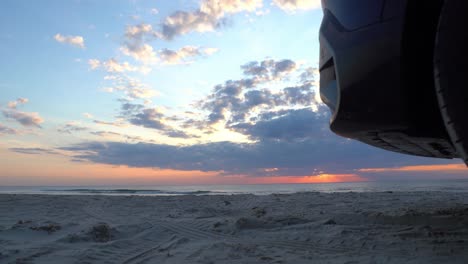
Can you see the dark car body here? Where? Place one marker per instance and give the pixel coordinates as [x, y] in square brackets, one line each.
[376, 74]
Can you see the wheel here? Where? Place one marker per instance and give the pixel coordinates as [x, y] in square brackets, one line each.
[451, 72]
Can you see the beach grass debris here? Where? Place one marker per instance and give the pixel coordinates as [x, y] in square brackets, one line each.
[101, 232]
[330, 222]
[49, 228]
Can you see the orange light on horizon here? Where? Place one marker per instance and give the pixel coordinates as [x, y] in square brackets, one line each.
[330, 178]
[320, 178]
[421, 168]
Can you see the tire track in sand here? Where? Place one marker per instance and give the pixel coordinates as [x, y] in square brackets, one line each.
[188, 230]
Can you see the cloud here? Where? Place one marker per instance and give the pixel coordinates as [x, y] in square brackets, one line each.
[113, 66]
[154, 11]
[150, 118]
[240, 105]
[183, 55]
[269, 69]
[182, 22]
[19, 101]
[71, 128]
[239, 101]
[146, 54]
[305, 158]
[34, 151]
[131, 87]
[273, 104]
[77, 41]
[104, 133]
[135, 45]
[28, 119]
[138, 32]
[141, 92]
[118, 123]
[4, 130]
[293, 5]
[24, 118]
[209, 16]
[88, 115]
[153, 118]
[110, 134]
[288, 125]
[94, 64]
[206, 18]
[210, 51]
[143, 53]
[308, 74]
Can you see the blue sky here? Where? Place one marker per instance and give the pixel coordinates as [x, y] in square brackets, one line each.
[58, 74]
[182, 86]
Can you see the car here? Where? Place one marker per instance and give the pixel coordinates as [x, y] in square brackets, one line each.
[394, 74]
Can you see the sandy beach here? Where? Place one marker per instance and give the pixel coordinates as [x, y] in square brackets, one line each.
[386, 227]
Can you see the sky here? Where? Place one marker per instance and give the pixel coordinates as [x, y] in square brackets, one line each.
[132, 92]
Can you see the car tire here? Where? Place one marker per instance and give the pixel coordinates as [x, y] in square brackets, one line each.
[451, 72]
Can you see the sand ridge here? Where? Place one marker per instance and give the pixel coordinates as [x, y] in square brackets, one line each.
[385, 227]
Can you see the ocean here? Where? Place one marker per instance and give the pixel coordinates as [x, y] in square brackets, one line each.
[257, 189]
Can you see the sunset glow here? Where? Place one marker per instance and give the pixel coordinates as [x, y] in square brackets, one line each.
[321, 178]
[422, 168]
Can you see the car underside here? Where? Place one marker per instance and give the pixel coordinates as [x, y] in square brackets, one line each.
[377, 74]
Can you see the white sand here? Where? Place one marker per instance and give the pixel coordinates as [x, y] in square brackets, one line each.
[423, 227]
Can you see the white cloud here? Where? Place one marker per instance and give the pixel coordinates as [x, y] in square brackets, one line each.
[210, 51]
[88, 115]
[19, 101]
[154, 11]
[147, 55]
[143, 53]
[94, 64]
[77, 41]
[138, 31]
[135, 45]
[206, 18]
[108, 89]
[113, 66]
[131, 87]
[293, 5]
[183, 55]
[219, 7]
[141, 93]
[110, 77]
[138, 90]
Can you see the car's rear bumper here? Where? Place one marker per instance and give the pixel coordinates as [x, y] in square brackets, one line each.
[360, 76]
[361, 81]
